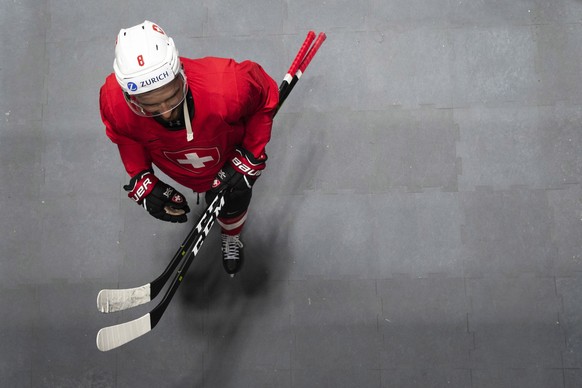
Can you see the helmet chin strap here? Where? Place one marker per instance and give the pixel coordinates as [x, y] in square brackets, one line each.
[189, 133]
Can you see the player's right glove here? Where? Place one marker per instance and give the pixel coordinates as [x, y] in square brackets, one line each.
[159, 199]
[240, 173]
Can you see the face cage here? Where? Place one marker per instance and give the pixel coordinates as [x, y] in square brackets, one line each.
[139, 110]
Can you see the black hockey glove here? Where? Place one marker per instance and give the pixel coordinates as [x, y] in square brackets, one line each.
[159, 199]
[240, 173]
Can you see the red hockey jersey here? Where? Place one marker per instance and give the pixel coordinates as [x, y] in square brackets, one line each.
[234, 104]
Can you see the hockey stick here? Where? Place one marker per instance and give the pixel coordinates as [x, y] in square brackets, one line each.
[115, 300]
[114, 336]
[112, 300]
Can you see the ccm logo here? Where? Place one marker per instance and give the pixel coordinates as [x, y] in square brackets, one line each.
[142, 190]
[244, 168]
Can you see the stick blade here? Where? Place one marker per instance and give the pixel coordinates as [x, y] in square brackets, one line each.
[109, 301]
[114, 336]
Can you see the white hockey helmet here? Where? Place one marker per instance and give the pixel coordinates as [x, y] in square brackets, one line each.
[145, 59]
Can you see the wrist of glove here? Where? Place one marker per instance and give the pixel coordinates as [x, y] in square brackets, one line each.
[240, 173]
[159, 199]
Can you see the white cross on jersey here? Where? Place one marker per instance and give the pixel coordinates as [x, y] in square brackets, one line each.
[193, 159]
[197, 160]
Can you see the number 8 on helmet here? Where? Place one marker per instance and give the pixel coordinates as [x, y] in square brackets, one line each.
[147, 59]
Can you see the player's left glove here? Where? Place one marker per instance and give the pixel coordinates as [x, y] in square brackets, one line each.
[160, 200]
[240, 173]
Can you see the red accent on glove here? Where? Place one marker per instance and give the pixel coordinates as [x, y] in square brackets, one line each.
[143, 186]
[216, 183]
[242, 164]
[177, 198]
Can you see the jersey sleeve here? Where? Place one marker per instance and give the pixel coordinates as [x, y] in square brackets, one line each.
[259, 96]
[133, 155]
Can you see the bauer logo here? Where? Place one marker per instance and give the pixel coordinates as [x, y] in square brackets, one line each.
[131, 86]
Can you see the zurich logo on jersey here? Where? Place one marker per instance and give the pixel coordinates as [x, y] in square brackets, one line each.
[132, 86]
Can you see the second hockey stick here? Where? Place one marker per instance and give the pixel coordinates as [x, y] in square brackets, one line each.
[112, 300]
[114, 336]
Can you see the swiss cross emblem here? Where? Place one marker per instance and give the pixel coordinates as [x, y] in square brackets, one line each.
[195, 159]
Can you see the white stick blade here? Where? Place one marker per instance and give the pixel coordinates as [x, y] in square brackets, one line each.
[109, 301]
[114, 336]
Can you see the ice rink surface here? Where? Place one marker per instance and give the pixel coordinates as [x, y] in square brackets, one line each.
[419, 223]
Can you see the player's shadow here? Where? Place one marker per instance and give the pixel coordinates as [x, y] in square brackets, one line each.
[229, 305]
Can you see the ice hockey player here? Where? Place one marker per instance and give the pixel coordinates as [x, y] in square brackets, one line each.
[203, 122]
